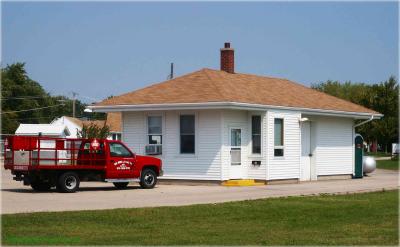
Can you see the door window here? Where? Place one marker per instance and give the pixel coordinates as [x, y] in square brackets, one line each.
[118, 150]
[236, 137]
[236, 153]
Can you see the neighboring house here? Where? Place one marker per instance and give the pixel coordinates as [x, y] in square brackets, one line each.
[49, 130]
[75, 125]
[220, 125]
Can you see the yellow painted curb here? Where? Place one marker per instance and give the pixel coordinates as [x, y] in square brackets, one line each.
[241, 182]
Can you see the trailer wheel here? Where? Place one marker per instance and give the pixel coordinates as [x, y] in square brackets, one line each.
[41, 186]
[121, 185]
[68, 182]
[148, 179]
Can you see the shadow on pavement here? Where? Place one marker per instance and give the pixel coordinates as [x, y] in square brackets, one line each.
[81, 189]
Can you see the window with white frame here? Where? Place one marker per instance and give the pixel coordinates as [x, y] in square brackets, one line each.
[256, 134]
[116, 136]
[154, 129]
[278, 137]
[187, 134]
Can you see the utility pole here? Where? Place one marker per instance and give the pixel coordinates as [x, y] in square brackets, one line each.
[73, 103]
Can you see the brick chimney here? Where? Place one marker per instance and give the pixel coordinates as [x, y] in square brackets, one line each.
[228, 58]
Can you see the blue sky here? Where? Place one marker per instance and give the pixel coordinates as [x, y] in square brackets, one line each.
[103, 49]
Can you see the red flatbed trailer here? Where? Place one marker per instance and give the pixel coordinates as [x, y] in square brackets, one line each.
[45, 162]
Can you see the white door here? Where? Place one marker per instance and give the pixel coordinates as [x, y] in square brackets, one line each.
[236, 154]
[305, 151]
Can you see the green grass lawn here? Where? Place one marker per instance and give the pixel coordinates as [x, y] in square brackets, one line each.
[354, 219]
[378, 154]
[388, 164]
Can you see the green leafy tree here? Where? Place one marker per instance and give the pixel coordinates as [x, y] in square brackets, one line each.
[94, 131]
[19, 93]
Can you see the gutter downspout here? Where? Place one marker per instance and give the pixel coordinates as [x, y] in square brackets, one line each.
[353, 132]
[364, 122]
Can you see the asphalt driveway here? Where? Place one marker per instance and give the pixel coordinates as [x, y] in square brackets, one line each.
[17, 198]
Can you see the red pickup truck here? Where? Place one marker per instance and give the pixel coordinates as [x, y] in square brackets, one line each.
[44, 162]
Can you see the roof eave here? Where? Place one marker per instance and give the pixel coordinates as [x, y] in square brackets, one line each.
[228, 105]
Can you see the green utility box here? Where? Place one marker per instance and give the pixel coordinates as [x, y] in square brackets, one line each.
[358, 170]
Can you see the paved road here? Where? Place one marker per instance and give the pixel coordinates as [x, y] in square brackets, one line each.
[17, 198]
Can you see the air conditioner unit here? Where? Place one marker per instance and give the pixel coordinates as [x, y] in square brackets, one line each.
[153, 149]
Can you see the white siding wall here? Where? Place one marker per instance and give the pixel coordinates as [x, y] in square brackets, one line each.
[288, 166]
[332, 138]
[204, 165]
[334, 146]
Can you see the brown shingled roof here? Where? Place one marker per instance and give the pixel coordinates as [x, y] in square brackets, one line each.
[209, 85]
[113, 121]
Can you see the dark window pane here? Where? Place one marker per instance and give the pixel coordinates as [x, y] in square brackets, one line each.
[256, 124]
[256, 144]
[187, 124]
[278, 152]
[155, 139]
[256, 134]
[187, 144]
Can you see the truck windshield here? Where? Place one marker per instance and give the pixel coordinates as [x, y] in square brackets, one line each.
[118, 150]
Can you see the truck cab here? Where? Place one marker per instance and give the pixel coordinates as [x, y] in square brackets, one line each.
[63, 163]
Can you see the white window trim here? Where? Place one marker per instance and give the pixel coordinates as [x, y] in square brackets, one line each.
[146, 130]
[196, 138]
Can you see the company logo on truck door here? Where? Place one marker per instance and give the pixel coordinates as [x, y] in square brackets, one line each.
[123, 165]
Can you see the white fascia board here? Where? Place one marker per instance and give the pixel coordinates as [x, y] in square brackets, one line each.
[229, 105]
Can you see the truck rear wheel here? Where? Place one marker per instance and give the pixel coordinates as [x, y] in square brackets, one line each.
[148, 179]
[40, 186]
[68, 182]
[121, 185]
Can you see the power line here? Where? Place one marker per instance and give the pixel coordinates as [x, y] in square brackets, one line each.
[32, 118]
[32, 109]
[26, 97]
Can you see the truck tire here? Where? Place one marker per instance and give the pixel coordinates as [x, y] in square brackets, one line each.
[121, 185]
[148, 179]
[40, 186]
[68, 182]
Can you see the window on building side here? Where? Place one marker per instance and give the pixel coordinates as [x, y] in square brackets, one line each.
[278, 137]
[154, 129]
[256, 134]
[187, 134]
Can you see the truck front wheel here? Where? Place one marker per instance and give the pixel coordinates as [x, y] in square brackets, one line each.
[148, 179]
[40, 186]
[121, 185]
[68, 182]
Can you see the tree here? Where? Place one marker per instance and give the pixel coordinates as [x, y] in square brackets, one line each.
[386, 101]
[92, 130]
[20, 93]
